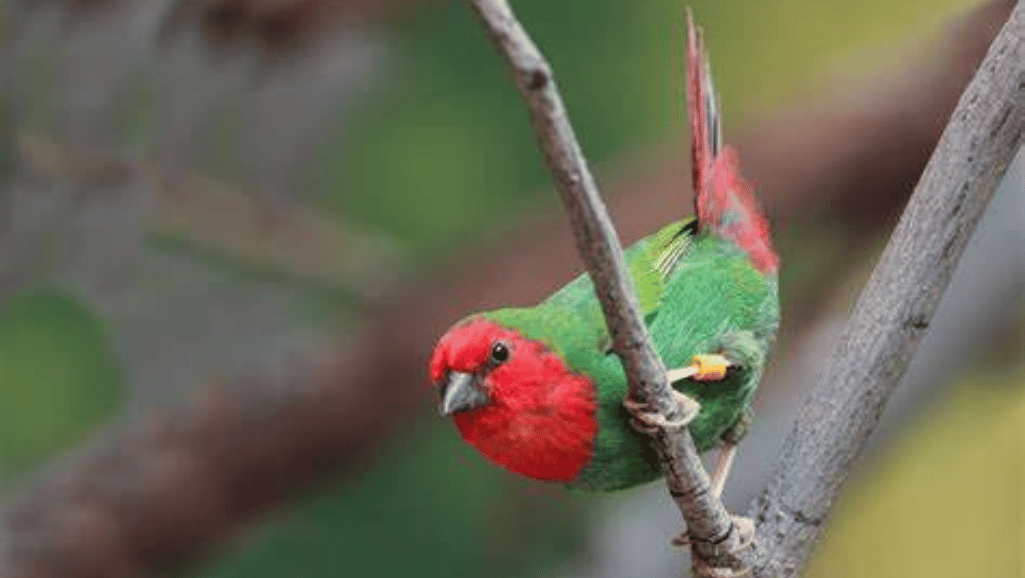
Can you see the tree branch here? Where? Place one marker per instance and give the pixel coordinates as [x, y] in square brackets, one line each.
[892, 314]
[709, 525]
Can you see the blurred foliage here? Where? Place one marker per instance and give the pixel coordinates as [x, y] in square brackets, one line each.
[446, 148]
[58, 379]
[944, 501]
[431, 508]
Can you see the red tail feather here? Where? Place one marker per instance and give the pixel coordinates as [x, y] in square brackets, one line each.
[696, 108]
[723, 200]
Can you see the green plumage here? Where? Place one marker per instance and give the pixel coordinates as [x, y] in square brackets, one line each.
[705, 287]
[707, 298]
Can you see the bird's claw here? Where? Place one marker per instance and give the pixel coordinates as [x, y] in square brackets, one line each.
[746, 527]
[704, 569]
[647, 420]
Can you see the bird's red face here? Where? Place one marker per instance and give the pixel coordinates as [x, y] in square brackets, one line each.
[464, 360]
[514, 400]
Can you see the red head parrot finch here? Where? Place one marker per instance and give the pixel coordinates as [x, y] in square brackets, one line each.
[538, 391]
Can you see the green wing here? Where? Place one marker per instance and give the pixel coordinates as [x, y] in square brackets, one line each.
[571, 322]
[653, 259]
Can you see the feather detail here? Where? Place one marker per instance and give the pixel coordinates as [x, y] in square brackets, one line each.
[702, 107]
[674, 250]
[723, 201]
[728, 206]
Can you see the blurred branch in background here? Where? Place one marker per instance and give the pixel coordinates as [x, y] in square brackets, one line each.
[217, 217]
[210, 53]
[302, 61]
[150, 498]
[190, 477]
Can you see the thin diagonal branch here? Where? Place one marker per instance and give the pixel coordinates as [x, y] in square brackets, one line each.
[892, 314]
[709, 525]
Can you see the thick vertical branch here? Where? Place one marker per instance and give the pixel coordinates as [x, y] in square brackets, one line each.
[709, 524]
[892, 314]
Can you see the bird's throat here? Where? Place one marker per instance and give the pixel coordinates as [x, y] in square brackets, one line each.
[542, 423]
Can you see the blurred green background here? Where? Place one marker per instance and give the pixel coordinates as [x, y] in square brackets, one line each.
[442, 152]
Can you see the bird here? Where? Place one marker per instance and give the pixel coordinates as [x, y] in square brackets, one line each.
[539, 391]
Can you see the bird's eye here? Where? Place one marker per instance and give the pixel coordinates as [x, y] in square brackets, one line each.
[499, 352]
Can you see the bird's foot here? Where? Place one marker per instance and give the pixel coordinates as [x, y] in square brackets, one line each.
[705, 569]
[682, 540]
[746, 527]
[649, 420]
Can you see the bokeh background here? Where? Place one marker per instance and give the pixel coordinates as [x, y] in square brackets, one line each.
[221, 194]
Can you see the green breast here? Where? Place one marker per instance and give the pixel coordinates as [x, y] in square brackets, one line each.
[713, 299]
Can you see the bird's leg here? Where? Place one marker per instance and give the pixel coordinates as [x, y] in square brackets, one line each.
[703, 367]
[723, 465]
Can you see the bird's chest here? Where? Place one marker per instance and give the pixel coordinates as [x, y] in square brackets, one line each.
[549, 438]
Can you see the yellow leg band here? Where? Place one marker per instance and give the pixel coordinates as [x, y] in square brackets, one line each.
[709, 367]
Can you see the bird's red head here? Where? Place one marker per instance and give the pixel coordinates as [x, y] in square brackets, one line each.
[515, 400]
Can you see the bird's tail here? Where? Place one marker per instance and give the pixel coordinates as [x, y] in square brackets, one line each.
[723, 200]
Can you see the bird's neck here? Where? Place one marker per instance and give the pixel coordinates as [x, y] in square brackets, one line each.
[547, 432]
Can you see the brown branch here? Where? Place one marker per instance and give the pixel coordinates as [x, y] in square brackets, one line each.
[893, 312]
[709, 525]
[277, 27]
[151, 498]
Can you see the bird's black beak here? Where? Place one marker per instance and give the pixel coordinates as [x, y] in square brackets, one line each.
[461, 392]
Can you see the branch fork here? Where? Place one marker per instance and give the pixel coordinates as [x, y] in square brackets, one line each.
[716, 540]
[984, 134]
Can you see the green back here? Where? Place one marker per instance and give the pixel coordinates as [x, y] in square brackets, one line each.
[712, 301]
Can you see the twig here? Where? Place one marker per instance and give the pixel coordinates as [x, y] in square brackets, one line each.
[709, 525]
[892, 314]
